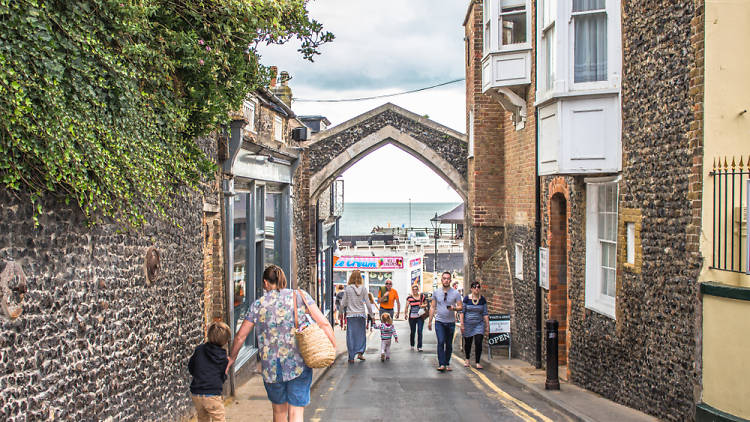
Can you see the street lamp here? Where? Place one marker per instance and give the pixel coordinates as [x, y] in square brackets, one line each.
[435, 224]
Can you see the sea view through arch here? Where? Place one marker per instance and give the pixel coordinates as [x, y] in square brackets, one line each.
[360, 217]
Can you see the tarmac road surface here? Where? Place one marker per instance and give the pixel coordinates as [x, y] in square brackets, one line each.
[409, 388]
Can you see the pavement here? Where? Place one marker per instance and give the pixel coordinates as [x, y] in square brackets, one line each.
[507, 389]
[578, 403]
[250, 402]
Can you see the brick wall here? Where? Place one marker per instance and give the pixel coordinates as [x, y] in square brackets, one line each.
[501, 204]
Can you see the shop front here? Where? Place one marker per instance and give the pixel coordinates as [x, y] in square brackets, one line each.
[402, 270]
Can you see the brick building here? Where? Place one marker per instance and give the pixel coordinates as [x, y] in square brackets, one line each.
[595, 109]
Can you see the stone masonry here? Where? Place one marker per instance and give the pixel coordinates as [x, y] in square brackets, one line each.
[95, 341]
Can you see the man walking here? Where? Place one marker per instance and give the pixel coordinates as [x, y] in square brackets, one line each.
[445, 302]
[387, 298]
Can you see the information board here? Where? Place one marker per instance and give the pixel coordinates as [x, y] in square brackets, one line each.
[544, 268]
[499, 330]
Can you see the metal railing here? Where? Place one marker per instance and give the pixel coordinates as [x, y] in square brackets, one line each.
[730, 202]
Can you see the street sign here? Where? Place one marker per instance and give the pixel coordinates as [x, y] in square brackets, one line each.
[544, 268]
[499, 332]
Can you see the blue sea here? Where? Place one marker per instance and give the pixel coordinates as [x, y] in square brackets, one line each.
[360, 217]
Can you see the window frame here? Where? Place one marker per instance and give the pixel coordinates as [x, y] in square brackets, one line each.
[470, 136]
[571, 48]
[493, 8]
[595, 299]
[545, 28]
[250, 103]
[278, 128]
[563, 20]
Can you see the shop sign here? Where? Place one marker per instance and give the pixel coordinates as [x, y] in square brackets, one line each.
[416, 262]
[370, 262]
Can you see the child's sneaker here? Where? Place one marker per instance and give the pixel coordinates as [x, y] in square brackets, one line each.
[382, 357]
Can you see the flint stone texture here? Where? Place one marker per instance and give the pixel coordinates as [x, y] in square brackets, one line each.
[452, 149]
[95, 342]
[647, 358]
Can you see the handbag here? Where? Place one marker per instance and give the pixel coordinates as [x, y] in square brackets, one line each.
[312, 342]
[422, 312]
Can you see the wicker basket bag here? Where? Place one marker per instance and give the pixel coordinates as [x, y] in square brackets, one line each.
[312, 342]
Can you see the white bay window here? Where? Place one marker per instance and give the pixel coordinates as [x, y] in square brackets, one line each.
[601, 246]
[578, 89]
[506, 64]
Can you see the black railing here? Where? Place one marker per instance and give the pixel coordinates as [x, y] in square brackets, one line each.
[730, 202]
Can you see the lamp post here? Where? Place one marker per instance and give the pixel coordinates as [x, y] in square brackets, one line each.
[435, 224]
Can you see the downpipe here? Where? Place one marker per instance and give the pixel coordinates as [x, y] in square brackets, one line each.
[538, 234]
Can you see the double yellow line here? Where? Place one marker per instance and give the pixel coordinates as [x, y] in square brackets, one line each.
[518, 407]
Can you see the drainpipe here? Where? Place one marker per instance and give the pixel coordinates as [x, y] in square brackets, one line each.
[538, 234]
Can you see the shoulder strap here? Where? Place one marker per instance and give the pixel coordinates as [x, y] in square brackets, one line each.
[296, 324]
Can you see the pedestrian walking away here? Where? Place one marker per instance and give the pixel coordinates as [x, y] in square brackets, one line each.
[387, 296]
[340, 312]
[285, 376]
[356, 303]
[445, 302]
[475, 323]
[208, 366]
[387, 331]
[417, 303]
[374, 307]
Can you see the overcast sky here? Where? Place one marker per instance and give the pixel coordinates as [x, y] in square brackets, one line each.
[384, 47]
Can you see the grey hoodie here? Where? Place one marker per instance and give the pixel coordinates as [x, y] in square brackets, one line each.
[356, 301]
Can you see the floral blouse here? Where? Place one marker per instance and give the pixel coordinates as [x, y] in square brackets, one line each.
[274, 321]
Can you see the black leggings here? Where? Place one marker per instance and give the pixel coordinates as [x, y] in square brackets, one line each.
[477, 340]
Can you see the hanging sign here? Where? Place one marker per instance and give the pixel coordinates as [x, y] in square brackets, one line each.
[370, 262]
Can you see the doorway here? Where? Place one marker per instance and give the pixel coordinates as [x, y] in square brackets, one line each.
[559, 304]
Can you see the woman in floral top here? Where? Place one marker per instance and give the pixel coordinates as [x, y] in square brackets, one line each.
[286, 377]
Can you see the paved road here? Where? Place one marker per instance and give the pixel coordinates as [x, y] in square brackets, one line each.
[409, 388]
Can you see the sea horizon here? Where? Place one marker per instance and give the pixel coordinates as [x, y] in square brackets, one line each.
[360, 218]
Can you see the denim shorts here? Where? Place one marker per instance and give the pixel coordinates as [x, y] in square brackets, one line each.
[296, 392]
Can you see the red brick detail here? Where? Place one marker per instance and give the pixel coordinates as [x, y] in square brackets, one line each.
[559, 244]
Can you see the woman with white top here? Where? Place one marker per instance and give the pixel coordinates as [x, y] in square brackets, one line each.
[356, 303]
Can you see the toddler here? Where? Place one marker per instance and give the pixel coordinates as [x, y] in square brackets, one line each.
[374, 307]
[387, 330]
[208, 367]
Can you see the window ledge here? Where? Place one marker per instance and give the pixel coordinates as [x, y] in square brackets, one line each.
[245, 354]
[711, 288]
[602, 309]
[508, 50]
[554, 96]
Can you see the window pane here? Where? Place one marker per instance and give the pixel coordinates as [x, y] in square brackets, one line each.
[586, 5]
[549, 57]
[259, 208]
[513, 28]
[272, 244]
[239, 271]
[590, 49]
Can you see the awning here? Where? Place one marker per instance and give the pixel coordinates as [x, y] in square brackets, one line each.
[454, 216]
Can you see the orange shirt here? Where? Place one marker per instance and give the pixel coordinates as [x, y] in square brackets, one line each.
[392, 296]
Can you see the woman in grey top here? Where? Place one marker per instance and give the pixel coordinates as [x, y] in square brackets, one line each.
[355, 302]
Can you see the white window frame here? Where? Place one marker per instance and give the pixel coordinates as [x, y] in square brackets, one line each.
[519, 261]
[564, 43]
[278, 128]
[595, 298]
[491, 13]
[547, 70]
[249, 111]
[471, 134]
[588, 86]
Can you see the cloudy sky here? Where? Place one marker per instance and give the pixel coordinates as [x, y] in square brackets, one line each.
[384, 47]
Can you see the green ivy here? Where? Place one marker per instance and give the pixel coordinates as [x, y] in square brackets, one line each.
[101, 101]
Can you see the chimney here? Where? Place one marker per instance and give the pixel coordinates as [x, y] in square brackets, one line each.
[274, 72]
[283, 91]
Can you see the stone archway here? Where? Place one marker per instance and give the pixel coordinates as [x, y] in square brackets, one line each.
[558, 241]
[440, 148]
